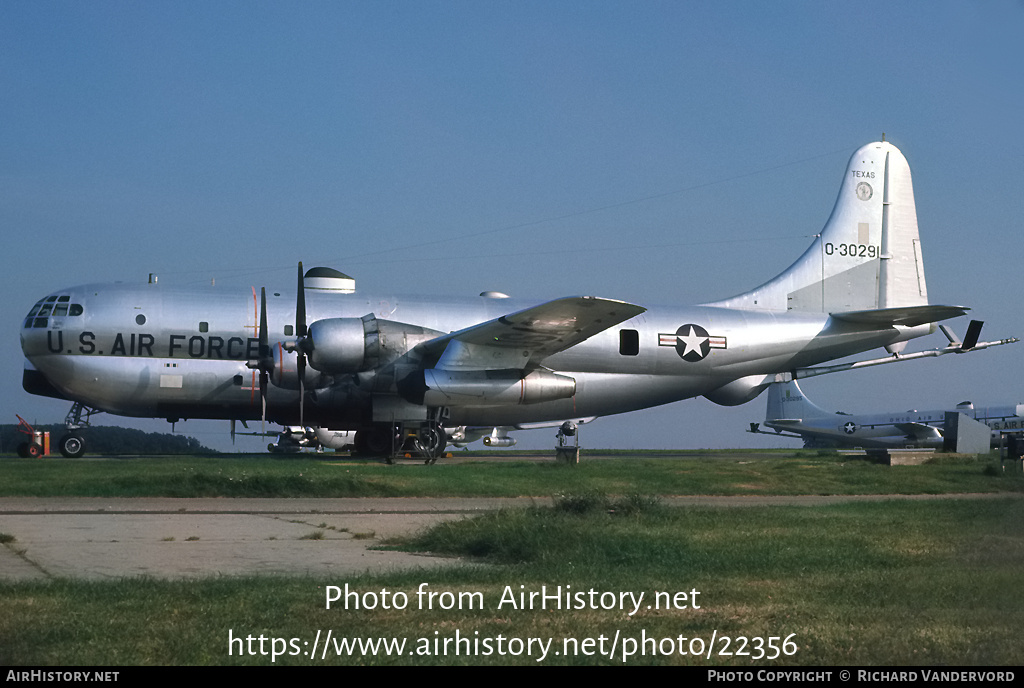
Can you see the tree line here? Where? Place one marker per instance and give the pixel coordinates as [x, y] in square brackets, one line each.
[107, 440]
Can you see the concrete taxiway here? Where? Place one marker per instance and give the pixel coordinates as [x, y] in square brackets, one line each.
[179, 538]
[101, 538]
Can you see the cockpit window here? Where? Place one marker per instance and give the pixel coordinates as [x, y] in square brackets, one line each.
[57, 306]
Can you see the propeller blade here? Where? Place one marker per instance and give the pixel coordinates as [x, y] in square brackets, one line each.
[302, 387]
[263, 336]
[300, 306]
[301, 331]
[264, 354]
[263, 399]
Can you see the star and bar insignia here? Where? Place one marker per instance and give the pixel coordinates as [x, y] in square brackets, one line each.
[692, 342]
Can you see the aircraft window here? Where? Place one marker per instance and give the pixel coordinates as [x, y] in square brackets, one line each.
[51, 299]
[76, 309]
[204, 327]
[45, 310]
[140, 319]
[39, 323]
[289, 330]
[63, 299]
[35, 309]
[60, 309]
[629, 342]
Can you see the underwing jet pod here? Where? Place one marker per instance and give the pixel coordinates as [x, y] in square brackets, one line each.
[791, 414]
[294, 439]
[401, 371]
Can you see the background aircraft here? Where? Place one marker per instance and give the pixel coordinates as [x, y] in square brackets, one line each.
[418, 372]
[792, 414]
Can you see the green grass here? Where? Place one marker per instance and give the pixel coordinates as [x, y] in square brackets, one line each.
[724, 473]
[874, 583]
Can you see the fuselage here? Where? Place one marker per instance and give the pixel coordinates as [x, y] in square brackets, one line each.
[377, 362]
[152, 351]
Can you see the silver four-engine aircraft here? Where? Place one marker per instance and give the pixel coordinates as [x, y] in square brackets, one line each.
[407, 370]
[791, 414]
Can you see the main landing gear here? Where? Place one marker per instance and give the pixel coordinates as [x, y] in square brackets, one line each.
[392, 440]
[431, 440]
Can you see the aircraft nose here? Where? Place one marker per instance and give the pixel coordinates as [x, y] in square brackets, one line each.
[43, 329]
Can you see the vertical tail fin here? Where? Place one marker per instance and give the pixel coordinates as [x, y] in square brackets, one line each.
[867, 256]
[786, 401]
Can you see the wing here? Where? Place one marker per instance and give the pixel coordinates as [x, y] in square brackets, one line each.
[920, 431]
[522, 340]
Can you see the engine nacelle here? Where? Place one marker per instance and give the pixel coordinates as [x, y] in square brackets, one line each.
[336, 439]
[337, 345]
[286, 371]
[493, 388]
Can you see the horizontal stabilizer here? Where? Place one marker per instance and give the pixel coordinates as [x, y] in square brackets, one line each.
[908, 316]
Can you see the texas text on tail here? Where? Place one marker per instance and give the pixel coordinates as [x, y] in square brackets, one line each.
[426, 372]
[791, 413]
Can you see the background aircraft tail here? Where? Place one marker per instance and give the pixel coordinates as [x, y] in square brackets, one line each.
[867, 257]
[786, 401]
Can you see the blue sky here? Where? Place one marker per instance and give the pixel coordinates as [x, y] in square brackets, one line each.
[657, 152]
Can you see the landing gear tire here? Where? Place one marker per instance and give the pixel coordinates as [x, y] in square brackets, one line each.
[379, 441]
[72, 446]
[431, 441]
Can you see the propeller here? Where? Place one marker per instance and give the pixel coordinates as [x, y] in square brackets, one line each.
[300, 332]
[264, 361]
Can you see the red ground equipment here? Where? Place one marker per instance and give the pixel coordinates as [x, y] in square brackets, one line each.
[38, 443]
